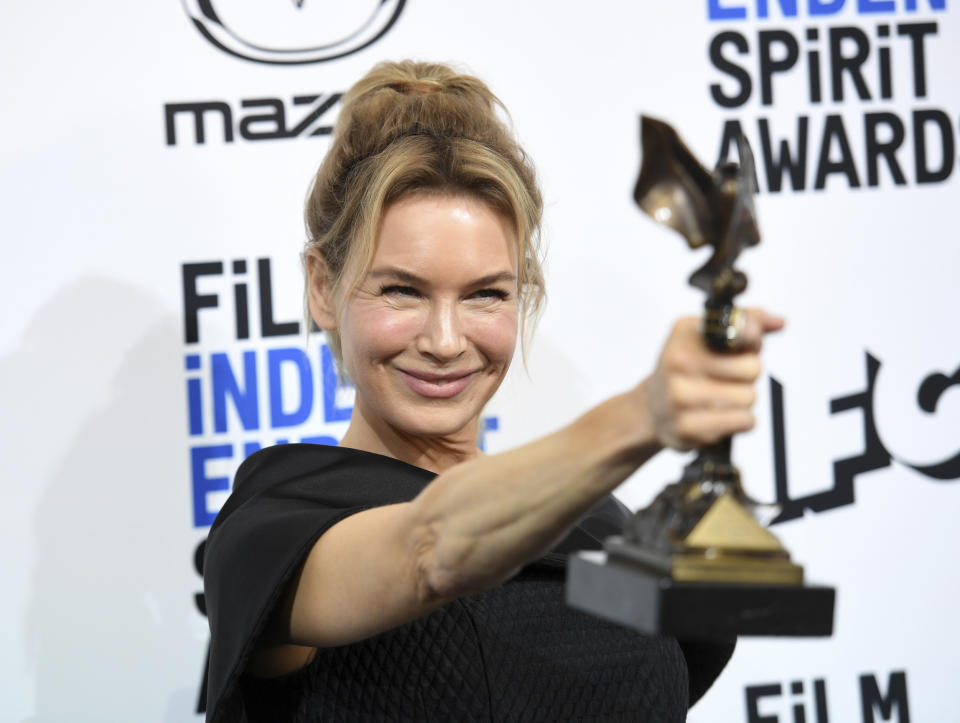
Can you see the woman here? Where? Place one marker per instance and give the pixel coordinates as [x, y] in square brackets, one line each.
[404, 575]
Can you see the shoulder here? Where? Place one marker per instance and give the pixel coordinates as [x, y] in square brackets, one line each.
[286, 461]
[289, 461]
[331, 476]
[284, 499]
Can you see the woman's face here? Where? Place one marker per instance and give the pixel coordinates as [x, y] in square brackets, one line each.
[428, 334]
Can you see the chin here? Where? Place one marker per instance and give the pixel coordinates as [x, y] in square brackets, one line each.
[437, 422]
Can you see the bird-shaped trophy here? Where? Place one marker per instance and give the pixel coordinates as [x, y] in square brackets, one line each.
[698, 562]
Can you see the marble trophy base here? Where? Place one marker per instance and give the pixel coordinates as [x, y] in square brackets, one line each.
[651, 602]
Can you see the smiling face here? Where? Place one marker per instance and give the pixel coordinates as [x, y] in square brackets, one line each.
[429, 332]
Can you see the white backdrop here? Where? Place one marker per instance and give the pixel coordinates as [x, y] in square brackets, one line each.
[120, 431]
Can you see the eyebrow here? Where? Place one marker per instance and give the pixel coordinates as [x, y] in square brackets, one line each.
[412, 278]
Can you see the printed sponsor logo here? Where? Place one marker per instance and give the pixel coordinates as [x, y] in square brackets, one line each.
[930, 396]
[251, 119]
[862, 92]
[769, 703]
[293, 32]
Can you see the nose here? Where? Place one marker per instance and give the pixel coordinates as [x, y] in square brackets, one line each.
[442, 337]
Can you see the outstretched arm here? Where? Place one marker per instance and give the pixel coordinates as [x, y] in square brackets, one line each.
[477, 523]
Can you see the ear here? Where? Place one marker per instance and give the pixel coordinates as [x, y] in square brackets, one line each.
[320, 291]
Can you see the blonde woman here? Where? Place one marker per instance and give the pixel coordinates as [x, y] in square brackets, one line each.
[405, 576]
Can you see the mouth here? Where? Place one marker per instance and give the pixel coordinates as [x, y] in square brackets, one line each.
[436, 386]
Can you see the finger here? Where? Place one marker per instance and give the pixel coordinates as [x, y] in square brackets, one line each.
[706, 427]
[757, 323]
[701, 394]
[770, 322]
[732, 366]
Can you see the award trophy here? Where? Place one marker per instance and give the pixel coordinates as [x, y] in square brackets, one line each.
[698, 562]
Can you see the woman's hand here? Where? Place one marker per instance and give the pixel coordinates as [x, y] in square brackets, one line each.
[697, 396]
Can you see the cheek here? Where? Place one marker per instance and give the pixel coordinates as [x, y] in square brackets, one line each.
[496, 335]
[377, 332]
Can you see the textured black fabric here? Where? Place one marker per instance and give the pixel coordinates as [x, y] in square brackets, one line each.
[515, 653]
[512, 653]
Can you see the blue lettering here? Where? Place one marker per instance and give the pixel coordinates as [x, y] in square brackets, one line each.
[490, 424]
[195, 407]
[716, 12]
[828, 7]
[194, 400]
[787, 7]
[331, 412]
[875, 6]
[225, 383]
[725, 10]
[276, 358]
[202, 485]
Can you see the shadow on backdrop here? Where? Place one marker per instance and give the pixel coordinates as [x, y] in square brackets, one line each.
[112, 631]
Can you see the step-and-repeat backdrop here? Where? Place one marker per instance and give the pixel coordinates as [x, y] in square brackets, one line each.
[155, 162]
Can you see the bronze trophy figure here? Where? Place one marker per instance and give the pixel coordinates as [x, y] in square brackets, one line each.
[698, 560]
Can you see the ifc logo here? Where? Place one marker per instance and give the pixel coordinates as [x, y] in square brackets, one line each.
[293, 32]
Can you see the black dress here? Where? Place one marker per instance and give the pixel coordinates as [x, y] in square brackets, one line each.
[512, 653]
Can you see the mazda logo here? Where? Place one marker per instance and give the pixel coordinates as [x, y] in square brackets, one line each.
[292, 32]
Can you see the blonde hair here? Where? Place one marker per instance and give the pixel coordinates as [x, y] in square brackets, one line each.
[409, 128]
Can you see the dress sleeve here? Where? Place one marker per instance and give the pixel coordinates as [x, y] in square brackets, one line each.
[283, 499]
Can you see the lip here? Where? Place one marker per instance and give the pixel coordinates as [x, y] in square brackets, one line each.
[436, 386]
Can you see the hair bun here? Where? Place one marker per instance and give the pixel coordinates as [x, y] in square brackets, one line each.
[424, 86]
[398, 99]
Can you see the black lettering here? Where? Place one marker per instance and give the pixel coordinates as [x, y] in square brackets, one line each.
[199, 110]
[788, 509]
[269, 327]
[754, 694]
[192, 301]
[277, 119]
[874, 455]
[769, 66]
[887, 149]
[799, 709]
[776, 166]
[730, 68]
[833, 129]
[885, 77]
[731, 133]
[916, 33]
[928, 395]
[202, 607]
[241, 311]
[845, 471]
[896, 697]
[731, 141]
[932, 388]
[316, 113]
[813, 66]
[921, 119]
[820, 698]
[198, 598]
[849, 63]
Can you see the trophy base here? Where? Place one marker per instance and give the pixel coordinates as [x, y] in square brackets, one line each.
[654, 603]
[722, 567]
